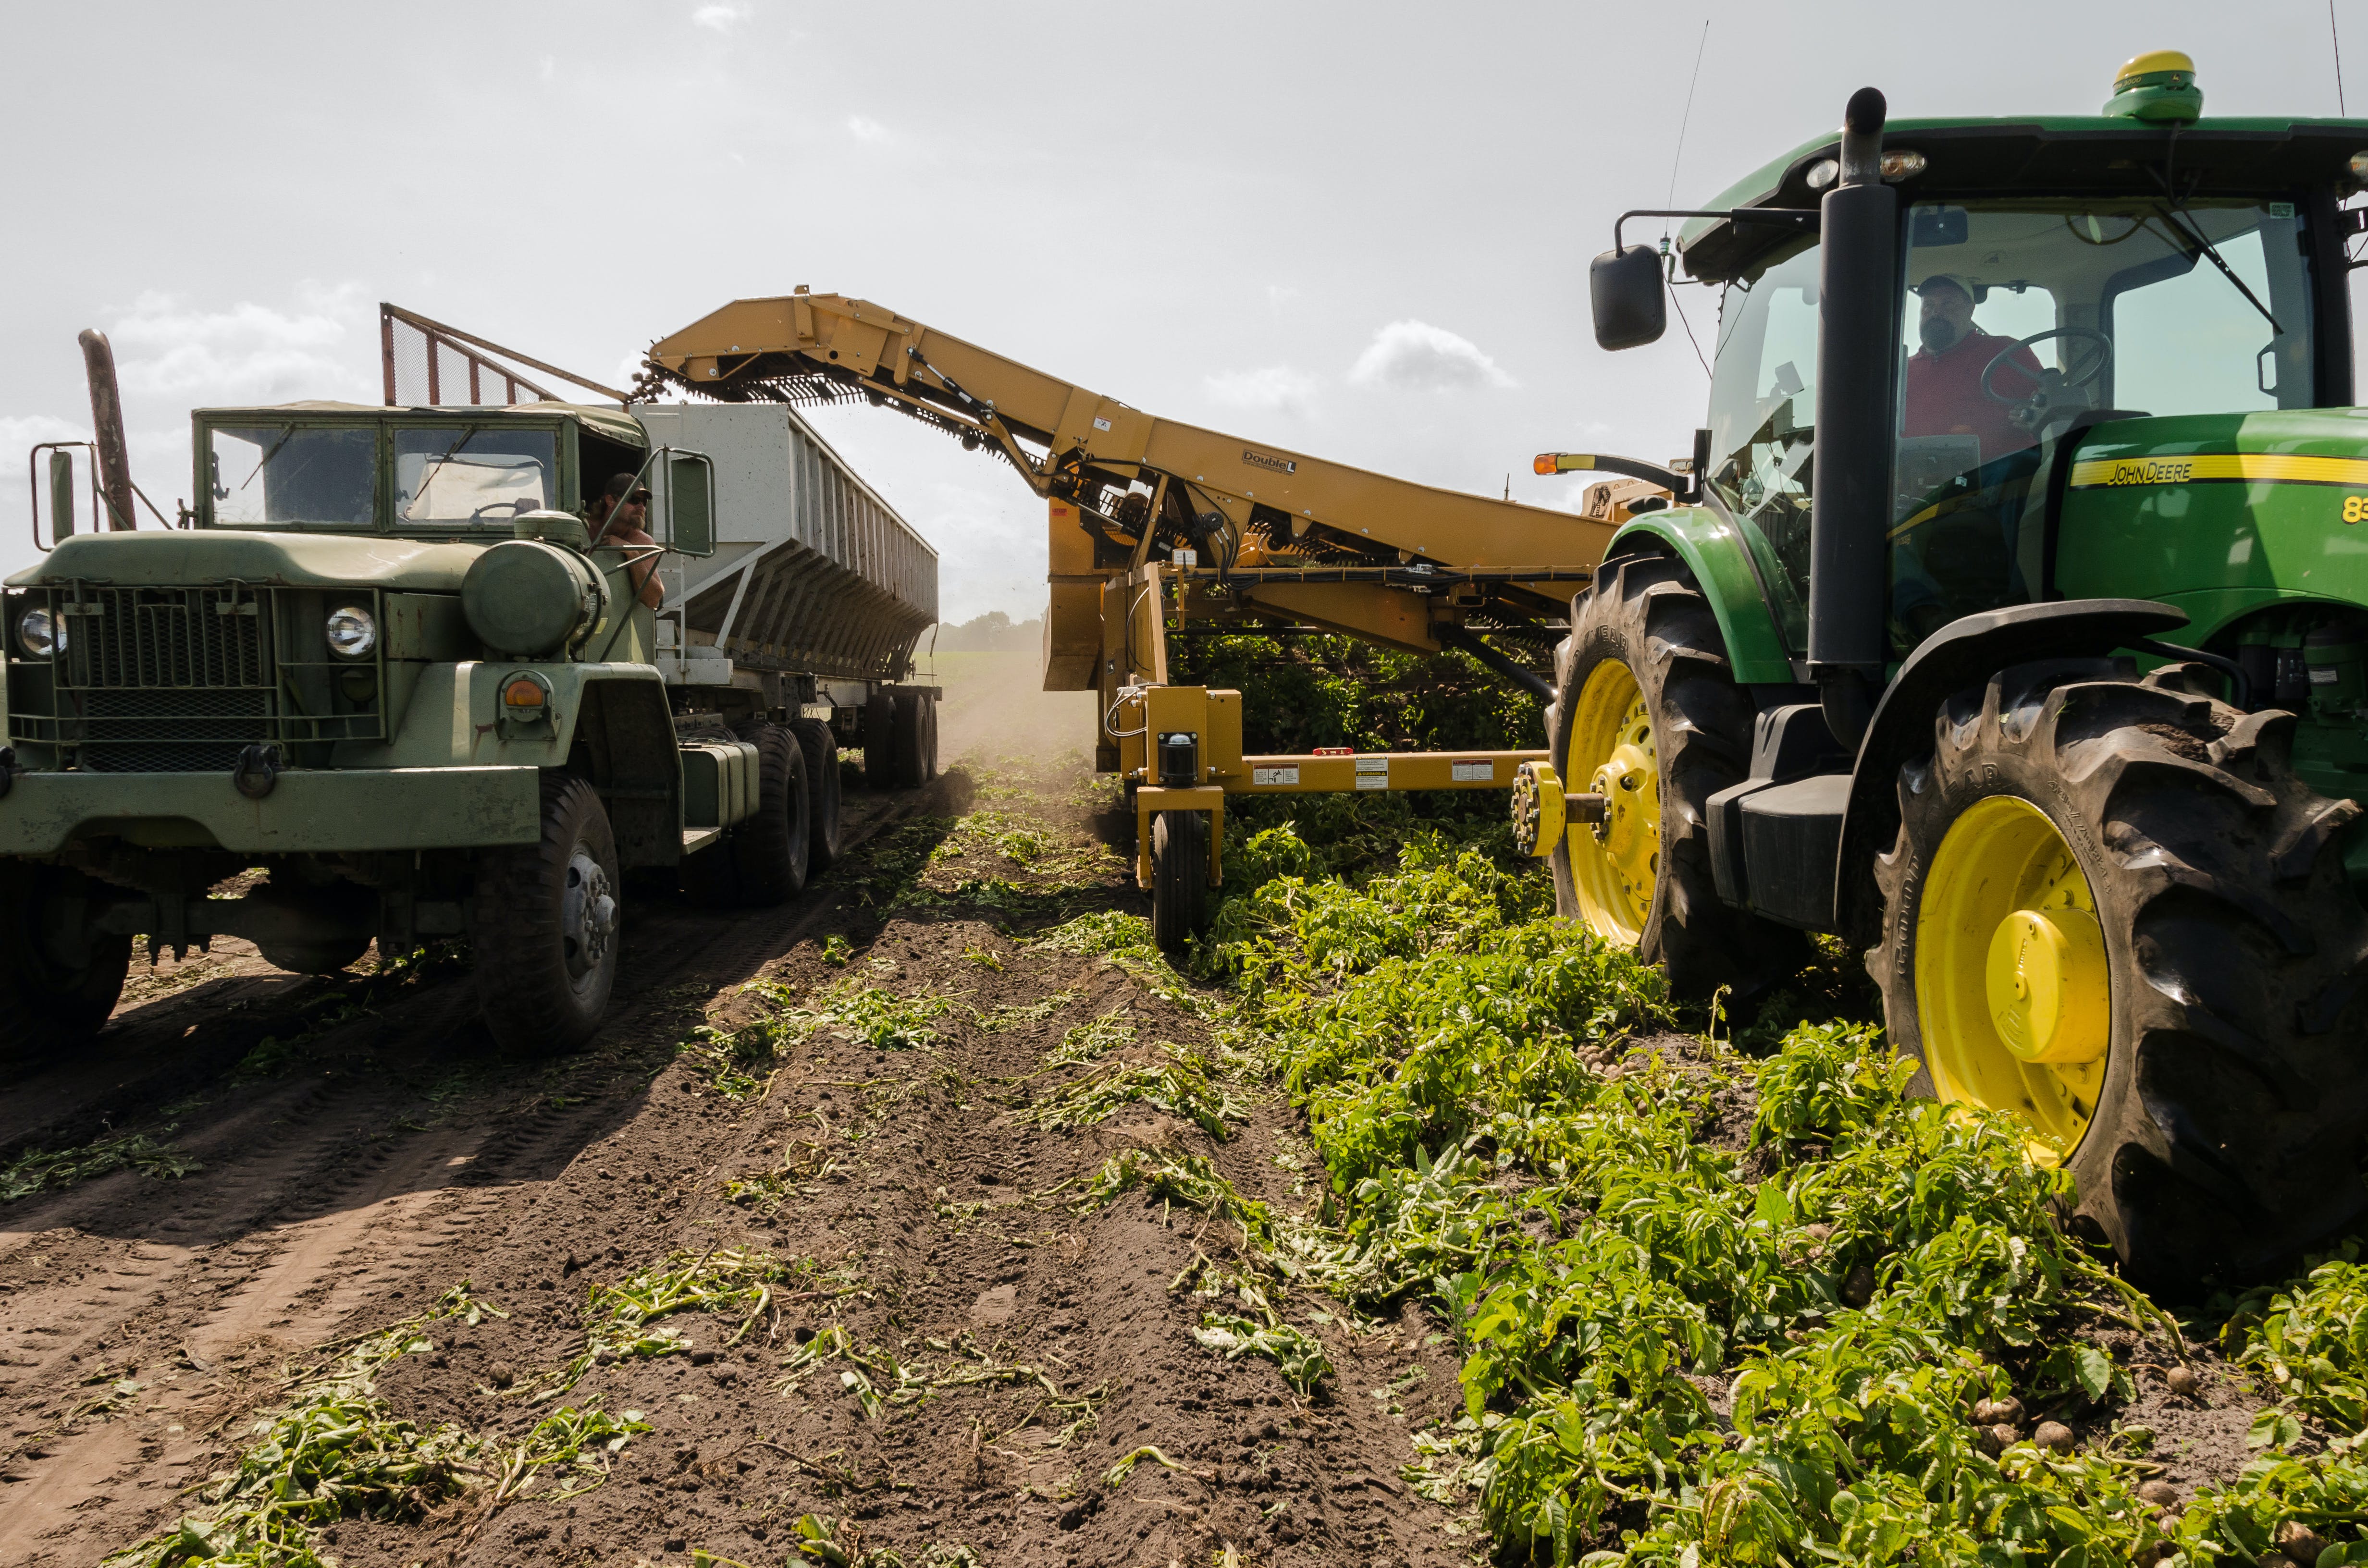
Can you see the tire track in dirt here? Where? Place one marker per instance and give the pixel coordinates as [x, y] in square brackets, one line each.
[320, 1193]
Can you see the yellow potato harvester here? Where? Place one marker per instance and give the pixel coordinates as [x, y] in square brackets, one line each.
[1152, 522]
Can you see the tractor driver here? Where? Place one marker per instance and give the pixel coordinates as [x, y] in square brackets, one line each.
[617, 517]
[1944, 377]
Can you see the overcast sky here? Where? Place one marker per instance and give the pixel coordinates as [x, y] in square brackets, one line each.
[1360, 231]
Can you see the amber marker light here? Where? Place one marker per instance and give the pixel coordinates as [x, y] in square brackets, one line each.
[522, 693]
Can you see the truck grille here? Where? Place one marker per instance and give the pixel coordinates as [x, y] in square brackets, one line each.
[172, 731]
[152, 639]
[182, 679]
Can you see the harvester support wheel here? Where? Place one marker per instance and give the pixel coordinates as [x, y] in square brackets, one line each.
[1179, 878]
[547, 923]
[1647, 713]
[2113, 910]
[820, 748]
[879, 738]
[48, 1005]
[769, 850]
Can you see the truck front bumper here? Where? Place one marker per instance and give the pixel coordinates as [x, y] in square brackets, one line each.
[326, 811]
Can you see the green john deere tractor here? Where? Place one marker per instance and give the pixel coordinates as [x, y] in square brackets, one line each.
[2011, 621]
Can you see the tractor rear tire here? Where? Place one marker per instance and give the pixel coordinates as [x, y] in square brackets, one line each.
[1179, 878]
[820, 748]
[769, 850]
[49, 1008]
[879, 738]
[2124, 879]
[547, 927]
[1646, 706]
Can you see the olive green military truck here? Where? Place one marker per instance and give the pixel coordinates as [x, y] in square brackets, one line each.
[384, 660]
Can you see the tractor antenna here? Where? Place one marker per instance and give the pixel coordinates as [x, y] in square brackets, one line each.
[2336, 37]
[1677, 157]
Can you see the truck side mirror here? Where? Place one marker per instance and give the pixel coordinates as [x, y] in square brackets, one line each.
[1625, 286]
[691, 504]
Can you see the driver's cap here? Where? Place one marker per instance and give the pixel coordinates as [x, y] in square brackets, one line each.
[1957, 281]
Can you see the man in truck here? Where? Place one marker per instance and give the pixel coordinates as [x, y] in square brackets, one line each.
[619, 512]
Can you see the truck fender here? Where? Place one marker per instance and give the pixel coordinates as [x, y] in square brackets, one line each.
[1714, 552]
[624, 742]
[1960, 653]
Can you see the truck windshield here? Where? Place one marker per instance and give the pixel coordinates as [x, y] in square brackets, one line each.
[471, 474]
[2021, 316]
[293, 474]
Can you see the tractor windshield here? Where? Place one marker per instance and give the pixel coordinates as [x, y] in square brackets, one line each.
[2021, 315]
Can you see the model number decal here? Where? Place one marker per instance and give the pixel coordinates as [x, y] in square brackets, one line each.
[2355, 508]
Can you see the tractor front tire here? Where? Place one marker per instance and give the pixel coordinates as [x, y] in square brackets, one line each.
[547, 927]
[1179, 878]
[2113, 910]
[48, 1007]
[1647, 712]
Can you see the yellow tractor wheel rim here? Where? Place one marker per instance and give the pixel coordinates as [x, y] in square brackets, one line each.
[2013, 994]
[1615, 863]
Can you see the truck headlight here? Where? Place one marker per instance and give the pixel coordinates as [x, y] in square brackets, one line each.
[352, 632]
[42, 632]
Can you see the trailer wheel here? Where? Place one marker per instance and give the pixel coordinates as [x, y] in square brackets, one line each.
[547, 922]
[1646, 710]
[916, 747]
[47, 1008]
[2114, 911]
[1179, 878]
[821, 748]
[879, 739]
[769, 849]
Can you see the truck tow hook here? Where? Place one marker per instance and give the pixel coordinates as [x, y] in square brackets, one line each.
[258, 770]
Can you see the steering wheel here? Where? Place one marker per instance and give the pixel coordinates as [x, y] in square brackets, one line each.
[2027, 412]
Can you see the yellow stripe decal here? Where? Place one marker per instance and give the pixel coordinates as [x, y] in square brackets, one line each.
[2218, 468]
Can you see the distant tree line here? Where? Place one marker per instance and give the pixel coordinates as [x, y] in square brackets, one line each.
[994, 633]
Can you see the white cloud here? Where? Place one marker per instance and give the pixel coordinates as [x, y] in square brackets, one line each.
[1412, 356]
[1279, 297]
[721, 19]
[249, 353]
[19, 431]
[864, 130]
[1271, 387]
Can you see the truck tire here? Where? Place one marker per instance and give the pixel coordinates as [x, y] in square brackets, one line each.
[820, 748]
[1179, 878]
[47, 1008]
[2113, 910]
[1646, 709]
[547, 923]
[929, 742]
[769, 850]
[879, 739]
[916, 740]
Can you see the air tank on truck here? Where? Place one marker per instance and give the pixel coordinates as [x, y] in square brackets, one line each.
[440, 671]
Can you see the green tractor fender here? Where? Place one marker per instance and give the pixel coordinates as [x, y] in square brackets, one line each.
[1961, 653]
[1714, 550]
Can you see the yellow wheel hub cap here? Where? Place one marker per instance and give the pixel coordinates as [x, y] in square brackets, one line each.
[1615, 863]
[2013, 994]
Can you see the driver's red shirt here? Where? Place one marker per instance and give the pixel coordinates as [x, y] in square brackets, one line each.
[1944, 393]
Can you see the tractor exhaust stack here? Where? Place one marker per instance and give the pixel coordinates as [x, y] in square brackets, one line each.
[107, 429]
[1850, 489]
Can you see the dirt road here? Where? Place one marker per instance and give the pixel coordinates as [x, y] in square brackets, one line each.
[942, 1339]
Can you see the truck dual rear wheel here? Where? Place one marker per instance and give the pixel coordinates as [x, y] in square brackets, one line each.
[547, 927]
[1179, 878]
[1647, 713]
[763, 859]
[821, 748]
[47, 1006]
[917, 739]
[2113, 911]
[879, 714]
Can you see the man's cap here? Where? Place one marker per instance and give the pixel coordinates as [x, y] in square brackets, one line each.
[1957, 281]
[621, 487]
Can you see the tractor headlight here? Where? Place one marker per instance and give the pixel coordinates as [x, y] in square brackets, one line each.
[42, 632]
[352, 632]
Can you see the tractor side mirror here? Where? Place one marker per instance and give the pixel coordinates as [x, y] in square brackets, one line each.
[1625, 286]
